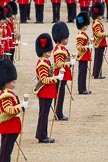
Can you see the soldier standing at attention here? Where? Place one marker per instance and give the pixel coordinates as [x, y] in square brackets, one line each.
[39, 10]
[23, 7]
[10, 107]
[84, 5]
[84, 54]
[71, 10]
[60, 34]
[56, 5]
[99, 35]
[44, 46]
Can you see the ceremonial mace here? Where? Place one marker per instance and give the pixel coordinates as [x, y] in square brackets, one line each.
[70, 91]
[17, 49]
[104, 56]
[26, 97]
[70, 107]
[91, 43]
[62, 70]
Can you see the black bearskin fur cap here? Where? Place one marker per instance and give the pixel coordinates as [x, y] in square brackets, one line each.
[8, 11]
[13, 6]
[43, 44]
[82, 19]
[8, 72]
[60, 31]
[2, 13]
[97, 10]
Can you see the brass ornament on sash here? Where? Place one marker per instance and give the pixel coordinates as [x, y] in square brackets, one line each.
[39, 84]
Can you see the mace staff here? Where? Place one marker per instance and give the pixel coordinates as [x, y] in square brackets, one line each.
[20, 138]
[21, 151]
[89, 68]
[55, 108]
[18, 40]
[56, 104]
[104, 54]
[54, 113]
[26, 97]
[70, 106]
[69, 92]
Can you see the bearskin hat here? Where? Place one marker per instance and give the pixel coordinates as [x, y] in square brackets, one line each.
[97, 10]
[82, 19]
[8, 72]
[43, 44]
[8, 11]
[13, 6]
[60, 31]
[2, 13]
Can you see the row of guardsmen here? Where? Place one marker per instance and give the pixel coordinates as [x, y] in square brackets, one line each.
[9, 29]
[24, 8]
[51, 81]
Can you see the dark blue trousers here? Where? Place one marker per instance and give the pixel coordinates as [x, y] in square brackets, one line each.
[59, 109]
[56, 11]
[98, 59]
[82, 75]
[42, 126]
[7, 144]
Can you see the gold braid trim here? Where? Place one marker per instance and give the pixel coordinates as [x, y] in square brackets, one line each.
[80, 48]
[42, 63]
[59, 51]
[96, 24]
[81, 36]
[6, 95]
[5, 116]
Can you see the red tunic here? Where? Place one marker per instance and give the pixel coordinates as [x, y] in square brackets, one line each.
[60, 56]
[96, 1]
[70, 1]
[106, 1]
[83, 40]
[56, 1]
[9, 33]
[1, 43]
[5, 36]
[39, 2]
[9, 104]
[23, 1]
[43, 68]
[98, 29]
[4, 2]
[12, 27]
[84, 3]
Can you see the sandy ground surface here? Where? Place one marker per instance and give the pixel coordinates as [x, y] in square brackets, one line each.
[84, 138]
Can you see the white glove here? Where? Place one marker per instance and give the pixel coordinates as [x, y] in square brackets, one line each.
[90, 46]
[18, 115]
[73, 61]
[60, 76]
[25, 104]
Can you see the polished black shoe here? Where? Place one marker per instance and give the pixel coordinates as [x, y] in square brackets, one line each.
[36, 22]
[70, 21]
[101, 77]
[64, 118]
[53, 22]
[41, 22]
[47, 140]
[23, 22]
[85, 92]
